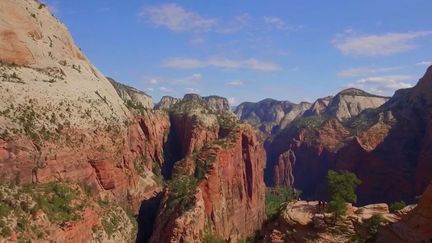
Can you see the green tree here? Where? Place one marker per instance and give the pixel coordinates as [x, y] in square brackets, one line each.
[274, 198]
[342, 190]
[396, 206]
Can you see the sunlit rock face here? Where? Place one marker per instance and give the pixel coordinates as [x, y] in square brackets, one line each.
[222, 162]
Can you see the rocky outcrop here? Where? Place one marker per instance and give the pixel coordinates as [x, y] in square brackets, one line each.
[228, 201]
[283, 171]
[166, 102]
[131, 95]
[415, 226]
[213, 103]
[351, 102]
[303, 221]
[217, 103]
[270, 116]
[319, 106]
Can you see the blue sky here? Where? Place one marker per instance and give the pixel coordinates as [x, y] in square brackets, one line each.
[250, 50]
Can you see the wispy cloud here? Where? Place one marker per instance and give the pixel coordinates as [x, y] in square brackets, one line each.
[236, 83]
[384, 85]
[377, 45]
[192, 79]
[224, 63]
[165, 89]
[153, 81]
[278, 23]
[176, 18]
[365, 71]
[424, 63]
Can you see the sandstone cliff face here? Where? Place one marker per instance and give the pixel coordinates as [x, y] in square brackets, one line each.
[394, 139]
[351, 102]
[319, 106]
[213, 103]
[217, 103]
[40, 65]
[131, 95]
[270, 116]
[283, 170]
[228, 200]
[416, 226]
[166, 102]
[63, 121]
[216, 177]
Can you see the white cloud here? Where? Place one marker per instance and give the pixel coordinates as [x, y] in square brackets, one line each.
[279, 24]
[424, 63]
[365, 71]
[150, 89]
[165, 89]
[192, 79]
[376, 45]
[192, 90]
[236, 83]
[176, 18]
[153, 81]
[224, 63]
[275, 22]
[384, 85]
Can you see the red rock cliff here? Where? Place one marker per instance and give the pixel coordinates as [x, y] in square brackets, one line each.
[416, 226]
[228, 201]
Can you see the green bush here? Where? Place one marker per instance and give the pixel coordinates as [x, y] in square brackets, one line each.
[274, 198]
[372, 225]
[56, 202]
[181, 189]
[5, 232]
[111, 223]
[342, 190]
[396, 206]
[5, 210]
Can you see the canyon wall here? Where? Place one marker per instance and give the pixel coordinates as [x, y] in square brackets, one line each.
[394, 139]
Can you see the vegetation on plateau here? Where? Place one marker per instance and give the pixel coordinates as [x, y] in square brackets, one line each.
[342, 188]
[274, 199]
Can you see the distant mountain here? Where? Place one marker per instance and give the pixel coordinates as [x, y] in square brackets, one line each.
[351, 102]
[394, 139]
[214, 103]
[270, 116]
[131, 94]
